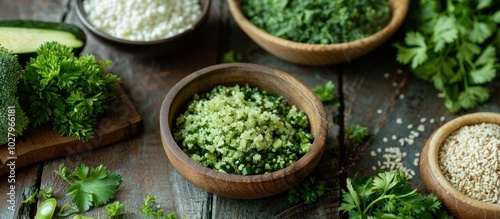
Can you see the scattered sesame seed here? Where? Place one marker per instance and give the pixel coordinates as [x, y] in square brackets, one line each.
[415, 162]
[373, 153]
[379, 150]
[421, 128]
[440, 95]
[379, 111]
[399, 71]
[442, 118]
[394, 137]
[384, 139]
[417, 154]
[432, 121]
[374, 168]
[402, 141]
[394, 84]
[410, 126]
[422, 120]
[401, 96]
[399, 121]
[386, 75]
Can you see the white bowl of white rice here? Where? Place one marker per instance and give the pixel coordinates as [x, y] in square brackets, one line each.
[460, 163]
[142, 22]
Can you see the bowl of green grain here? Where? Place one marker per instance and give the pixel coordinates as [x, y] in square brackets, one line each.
[460, 163]
[243, 131]
[321, 32]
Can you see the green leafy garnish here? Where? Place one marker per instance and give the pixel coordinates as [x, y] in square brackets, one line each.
[151, 210]
[326, 93]
[357, 133]
[66, 91]
[318, 21]
[67, 210]
[90, 187]
[42, 194]
[454, 45]
[308, 191]
[115, 209]
[388, 195]
[232, 56]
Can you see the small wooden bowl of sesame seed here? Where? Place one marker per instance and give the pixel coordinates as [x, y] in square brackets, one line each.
[224, 180]
[460, 164]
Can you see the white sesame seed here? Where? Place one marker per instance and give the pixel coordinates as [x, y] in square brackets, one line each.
[431, 121]
[410, 126]
[401, 96]
[379, 150]
[374, 168]
[379, 111]
[394, 84]
[384, 139]
[399, 121]
[422, 120]
[421, 128]
[440, 95]
[394, 137]
[386, 75]
[399, 71]
[373, 153]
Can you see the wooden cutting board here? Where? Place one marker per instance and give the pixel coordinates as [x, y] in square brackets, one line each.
[120, 122]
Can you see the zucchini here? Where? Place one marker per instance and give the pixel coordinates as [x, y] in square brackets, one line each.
[23, 37]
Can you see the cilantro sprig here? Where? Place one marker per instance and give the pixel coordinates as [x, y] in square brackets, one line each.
[388, 195]
[90, 186]
[454, 45]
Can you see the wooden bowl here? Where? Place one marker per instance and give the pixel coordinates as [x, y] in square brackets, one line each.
[458, 204]
[272, 80]
[317, 54]
[82, 15]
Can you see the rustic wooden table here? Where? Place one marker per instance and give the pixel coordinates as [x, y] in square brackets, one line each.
[375, 91]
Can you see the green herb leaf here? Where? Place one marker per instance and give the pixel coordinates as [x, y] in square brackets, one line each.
[90, 187]
[416, 54]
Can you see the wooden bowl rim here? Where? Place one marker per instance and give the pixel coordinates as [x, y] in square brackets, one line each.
[394, 22]
[434, 143]
[317, 147]
[199, 22]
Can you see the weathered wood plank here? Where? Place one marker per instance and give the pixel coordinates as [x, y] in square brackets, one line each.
[142, 161]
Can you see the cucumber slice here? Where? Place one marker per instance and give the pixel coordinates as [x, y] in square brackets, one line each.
[23, 37]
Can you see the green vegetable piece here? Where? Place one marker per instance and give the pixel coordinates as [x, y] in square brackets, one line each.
[277, 144]
[248, 170]
[67, 210]
[82, 217]
[24, 37]
[357, 133]
[151, 210]
[115, 209]
[309, 191]
[326, 92]
[46, 210]
[13, 119]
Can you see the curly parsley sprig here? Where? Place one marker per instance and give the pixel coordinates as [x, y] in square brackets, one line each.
[454, 45]
[66, 91]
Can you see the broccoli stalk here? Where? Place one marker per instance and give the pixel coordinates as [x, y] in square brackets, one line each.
[13, 119]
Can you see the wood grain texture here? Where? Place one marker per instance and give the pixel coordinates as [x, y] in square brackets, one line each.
[458, 204]
[272, 80]
[315, 54]
[42, 143]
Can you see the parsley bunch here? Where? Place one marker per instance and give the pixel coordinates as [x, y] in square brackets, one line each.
[308, 191]
[67, 91]
[454, 45]
[388, 195]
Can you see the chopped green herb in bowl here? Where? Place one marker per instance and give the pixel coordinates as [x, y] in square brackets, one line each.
[319, 32]
[243, 130]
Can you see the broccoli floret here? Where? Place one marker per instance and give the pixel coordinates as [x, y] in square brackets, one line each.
[13, 119]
